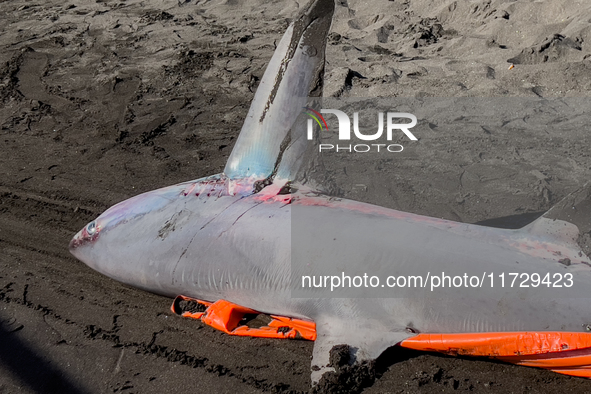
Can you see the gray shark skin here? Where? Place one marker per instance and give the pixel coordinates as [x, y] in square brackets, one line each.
[229, 236]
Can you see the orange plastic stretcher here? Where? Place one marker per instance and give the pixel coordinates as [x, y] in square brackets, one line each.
[227, 317]
[568, 353]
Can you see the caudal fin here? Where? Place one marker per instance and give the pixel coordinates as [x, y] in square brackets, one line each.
[569, 220]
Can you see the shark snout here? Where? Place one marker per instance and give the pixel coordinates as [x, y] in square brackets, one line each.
[74, 242]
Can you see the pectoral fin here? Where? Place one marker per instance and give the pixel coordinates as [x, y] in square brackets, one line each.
[364, 345]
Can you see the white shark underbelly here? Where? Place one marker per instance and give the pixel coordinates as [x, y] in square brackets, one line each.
[254, 252]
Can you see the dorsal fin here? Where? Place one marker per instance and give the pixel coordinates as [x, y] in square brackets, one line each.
[292, 75]
[568, 221]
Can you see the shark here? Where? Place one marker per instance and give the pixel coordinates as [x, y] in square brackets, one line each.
[226, 245]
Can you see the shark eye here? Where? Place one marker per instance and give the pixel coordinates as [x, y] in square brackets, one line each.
[91, 228]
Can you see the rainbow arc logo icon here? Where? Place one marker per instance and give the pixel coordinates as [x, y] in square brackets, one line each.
[315, 115]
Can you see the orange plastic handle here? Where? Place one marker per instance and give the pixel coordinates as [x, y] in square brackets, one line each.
[226, 316]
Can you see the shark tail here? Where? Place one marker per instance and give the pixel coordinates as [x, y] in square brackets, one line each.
[569, 221]
[576, 209]
[568, 353]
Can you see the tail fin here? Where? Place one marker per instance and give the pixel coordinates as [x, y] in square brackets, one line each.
[574, 209]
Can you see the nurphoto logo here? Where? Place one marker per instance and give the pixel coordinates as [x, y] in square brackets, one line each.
[345, 130]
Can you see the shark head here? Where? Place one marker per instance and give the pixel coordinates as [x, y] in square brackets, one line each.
[96, 243]
[126, 241]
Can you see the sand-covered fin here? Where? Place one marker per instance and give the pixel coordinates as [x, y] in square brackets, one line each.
[349, 347]
[291, 76]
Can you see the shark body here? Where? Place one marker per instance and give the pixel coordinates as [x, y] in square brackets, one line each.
[229, 236]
